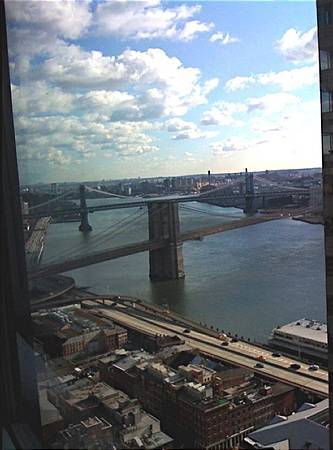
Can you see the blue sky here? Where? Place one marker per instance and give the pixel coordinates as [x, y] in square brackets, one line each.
[118, 89]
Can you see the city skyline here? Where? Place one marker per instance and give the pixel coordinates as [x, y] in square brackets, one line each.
[125, 89]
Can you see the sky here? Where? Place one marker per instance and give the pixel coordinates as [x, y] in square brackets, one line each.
[120, 89]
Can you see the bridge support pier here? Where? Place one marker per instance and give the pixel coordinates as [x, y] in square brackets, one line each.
[249, 205]
[249, 194]
[165, 263]
[84, 225]
[264, 202]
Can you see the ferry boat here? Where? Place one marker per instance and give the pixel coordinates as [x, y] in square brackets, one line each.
[305, 338]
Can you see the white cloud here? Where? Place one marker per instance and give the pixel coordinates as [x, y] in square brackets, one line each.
[176, 87]
[287, 80]
[239, 83]
[276, 141]
[66, 18]
[39, 98]
[290, 80]
[298, 47]
[160, 84]
[191, 29]
[273, 103]
[51, 155]
[223, 38]
[148, 19]
[80, 137]
[184, 129]
[228, 145]
[223, 114]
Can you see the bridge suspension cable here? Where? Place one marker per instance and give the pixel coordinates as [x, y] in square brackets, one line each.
[50, 201]
[105, 192]
[99, 238]
[211, 213]
[104, 236]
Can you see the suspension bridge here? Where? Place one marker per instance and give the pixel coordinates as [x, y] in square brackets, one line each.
[165, 237]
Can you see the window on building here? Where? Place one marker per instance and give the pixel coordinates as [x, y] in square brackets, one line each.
[327, 101]
[325, 60]
[327, 148]
[324, 14]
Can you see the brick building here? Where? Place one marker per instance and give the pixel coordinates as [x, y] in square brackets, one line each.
[86, 402]
[68, 331]
[199, 407]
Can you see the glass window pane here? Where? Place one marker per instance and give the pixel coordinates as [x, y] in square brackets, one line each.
[326, 99]
[135, 121]
[324, 15]
[327, 142]
[325, 60]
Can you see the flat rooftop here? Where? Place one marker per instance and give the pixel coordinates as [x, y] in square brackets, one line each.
[309, 329]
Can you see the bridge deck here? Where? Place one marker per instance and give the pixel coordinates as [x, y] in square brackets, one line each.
[138, 247]
[135, 203]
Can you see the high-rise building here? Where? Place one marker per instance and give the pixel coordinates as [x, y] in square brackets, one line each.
[325, 39]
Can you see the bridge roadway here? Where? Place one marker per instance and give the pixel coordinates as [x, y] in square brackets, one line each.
[239, 354]
[131, 249]
[35, 244]
[135, 203]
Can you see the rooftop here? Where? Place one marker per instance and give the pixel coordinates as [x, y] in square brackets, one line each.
[48, 412]
[297, 429]
[309, 329]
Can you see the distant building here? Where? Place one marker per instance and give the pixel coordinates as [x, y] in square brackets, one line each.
[94, 432]
[325, 41]
[307, 338]
[306, 429]
[199, 406]
[68, 331]
[127, 424]
[51, 419]
[316, 197]
[54, 188]
[204, 420]
[125, 371]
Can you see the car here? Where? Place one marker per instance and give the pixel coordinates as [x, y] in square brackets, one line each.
[313, 367]
[294, 366]
[261, 358]
[259, 365]
[276, 354]
[187, 330]
[234, 340]
[225, 343]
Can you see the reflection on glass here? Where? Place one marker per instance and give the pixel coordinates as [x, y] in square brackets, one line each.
[148, 149]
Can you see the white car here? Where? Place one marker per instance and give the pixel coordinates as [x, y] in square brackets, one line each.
[313, 367]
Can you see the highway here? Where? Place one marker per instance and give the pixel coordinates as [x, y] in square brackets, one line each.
[253, 351]
[35, 244]
[238, 353]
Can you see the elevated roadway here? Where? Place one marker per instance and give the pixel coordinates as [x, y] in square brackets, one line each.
[94, 258]
[238, 353]
[35, 244]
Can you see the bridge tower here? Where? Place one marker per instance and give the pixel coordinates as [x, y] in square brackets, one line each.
[84, 225]
[165, 263]
[249, 194]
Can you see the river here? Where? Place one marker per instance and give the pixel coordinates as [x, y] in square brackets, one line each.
[246, 281]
